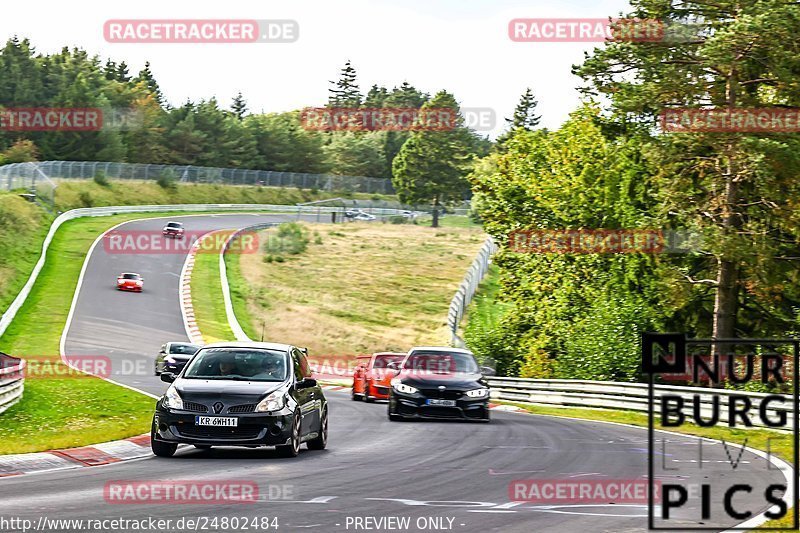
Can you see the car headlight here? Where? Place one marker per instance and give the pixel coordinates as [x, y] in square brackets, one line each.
[478, 393]
[273, 402]
[169, 360]
[402, 387]
[120, 282]
[138, 283]
[172, 399]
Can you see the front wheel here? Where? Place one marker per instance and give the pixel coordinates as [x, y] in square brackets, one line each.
[163, 449]
[293, 448]
[321, 440]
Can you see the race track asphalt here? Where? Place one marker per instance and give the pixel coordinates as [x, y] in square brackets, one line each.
[442, 476]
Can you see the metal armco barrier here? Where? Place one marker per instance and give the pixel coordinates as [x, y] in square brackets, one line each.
[12, 381]
[462, 298]
[621, 396]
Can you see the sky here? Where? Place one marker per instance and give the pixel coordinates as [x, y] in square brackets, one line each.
[459, 45]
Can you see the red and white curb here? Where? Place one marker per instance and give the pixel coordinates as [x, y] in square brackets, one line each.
[68, 458]
[187, 310]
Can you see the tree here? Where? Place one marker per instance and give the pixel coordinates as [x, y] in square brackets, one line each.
[375, 97]
[525, 116]
[239, 106]
[432, 165]
[21, 151]
[146, 76]
[345, 92]
[734, 186]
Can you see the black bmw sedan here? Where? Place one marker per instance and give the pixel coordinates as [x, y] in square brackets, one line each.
[439, 382]
[242, 394]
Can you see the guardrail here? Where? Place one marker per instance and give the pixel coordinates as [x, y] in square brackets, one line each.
[625, 396]
[12, 380]
[463, 297]
[298, 211]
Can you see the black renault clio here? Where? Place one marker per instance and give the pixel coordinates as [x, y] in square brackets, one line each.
[242, 394]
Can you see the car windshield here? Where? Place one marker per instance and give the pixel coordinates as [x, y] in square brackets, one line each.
[174, 225]
[381, 361]
[246, 364]
[131, 276]
[183, 349]
[441, 363]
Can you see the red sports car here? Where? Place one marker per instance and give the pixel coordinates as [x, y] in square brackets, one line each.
[128, 281]
[371, 378]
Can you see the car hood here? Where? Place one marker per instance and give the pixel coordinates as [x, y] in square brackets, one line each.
[180, 356]
[200, 390]
[451, 381]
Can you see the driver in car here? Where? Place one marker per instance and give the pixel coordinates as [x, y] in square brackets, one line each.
[228, 368]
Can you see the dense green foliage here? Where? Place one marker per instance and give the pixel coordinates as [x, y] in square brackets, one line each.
[580, 315]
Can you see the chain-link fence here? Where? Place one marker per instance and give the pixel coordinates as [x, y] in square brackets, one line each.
[10, 176]
[30, 178]
[463, 297]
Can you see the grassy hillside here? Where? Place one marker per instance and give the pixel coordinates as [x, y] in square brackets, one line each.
[23, 226]
[72, 194]
[356, 288]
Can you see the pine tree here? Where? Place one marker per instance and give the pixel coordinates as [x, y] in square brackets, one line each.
[345, 91]
[122, 72]
[239, 106]
[146, 76]
[525, 116]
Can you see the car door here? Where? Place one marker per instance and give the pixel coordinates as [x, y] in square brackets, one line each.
[359, 375]
[305, 396]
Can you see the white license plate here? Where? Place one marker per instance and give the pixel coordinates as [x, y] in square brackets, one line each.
[442, 403]
[219, 421]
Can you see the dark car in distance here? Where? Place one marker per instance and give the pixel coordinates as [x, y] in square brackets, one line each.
[249, 394]
[173, 356]
[439, 382]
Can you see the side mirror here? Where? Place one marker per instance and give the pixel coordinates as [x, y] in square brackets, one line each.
[305, 383]
[168, 377]
[488, 371]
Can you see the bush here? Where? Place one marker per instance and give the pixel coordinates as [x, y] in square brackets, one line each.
[398, 219]
[290, 239]
[86, 199]
[101, 179]
[167, 181]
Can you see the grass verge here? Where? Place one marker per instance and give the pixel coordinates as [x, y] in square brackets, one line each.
[23, 227]
[207, 301]
[65, 411]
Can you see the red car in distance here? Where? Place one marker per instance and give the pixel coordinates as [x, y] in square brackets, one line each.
[372, 377]
[129, 281]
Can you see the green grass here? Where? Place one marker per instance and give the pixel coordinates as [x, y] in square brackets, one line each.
[450, 221]
[239, 297]
[73, 411]
[71, 194]
[23, 227]
[209, 307]
[779, 444]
